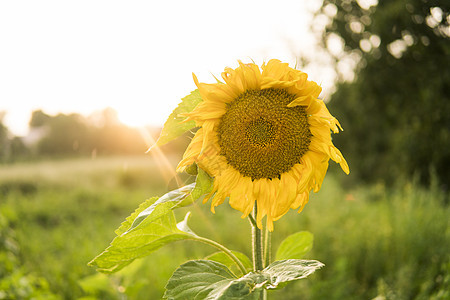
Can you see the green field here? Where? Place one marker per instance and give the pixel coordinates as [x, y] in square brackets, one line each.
[55, 216]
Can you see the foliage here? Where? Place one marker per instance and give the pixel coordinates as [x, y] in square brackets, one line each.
[39, 119]
[374, 240]
[206, 279]
[396, 113]
[149, 228]
[70, 135]
[44, 257]
[74, 134]
[4, 140]
[15, 283]
[295, 246]
[175, 125]
[391, 242]
[153, 226]
[11, 147]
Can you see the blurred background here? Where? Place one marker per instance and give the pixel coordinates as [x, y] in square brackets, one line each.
[86, 86]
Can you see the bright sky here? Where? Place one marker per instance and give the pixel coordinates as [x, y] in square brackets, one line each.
[135, 56]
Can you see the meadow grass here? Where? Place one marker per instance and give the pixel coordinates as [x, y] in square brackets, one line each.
[55, 216]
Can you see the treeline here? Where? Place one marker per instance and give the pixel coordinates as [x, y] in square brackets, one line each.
[396, 112]
[68, 135]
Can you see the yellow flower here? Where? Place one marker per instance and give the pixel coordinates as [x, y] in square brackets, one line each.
[265, 137]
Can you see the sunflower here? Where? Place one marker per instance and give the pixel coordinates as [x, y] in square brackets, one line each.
[264, 136]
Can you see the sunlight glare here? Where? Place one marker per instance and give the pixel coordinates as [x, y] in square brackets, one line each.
[165, 167]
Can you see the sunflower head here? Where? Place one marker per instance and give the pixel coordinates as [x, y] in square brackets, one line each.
[264, 136]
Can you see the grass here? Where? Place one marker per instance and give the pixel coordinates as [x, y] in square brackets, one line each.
[390, 244]
[55, 216]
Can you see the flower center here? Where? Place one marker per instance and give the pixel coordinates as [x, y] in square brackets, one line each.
[260, 132]
[260, 136]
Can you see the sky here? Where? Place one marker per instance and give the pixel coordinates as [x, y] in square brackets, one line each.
[136, 57]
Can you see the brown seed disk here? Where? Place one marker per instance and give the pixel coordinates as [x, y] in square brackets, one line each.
[260, 136]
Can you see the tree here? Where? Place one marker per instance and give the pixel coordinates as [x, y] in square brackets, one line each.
[4, 140]
[67, 134]
[39, 118]
[396, 112]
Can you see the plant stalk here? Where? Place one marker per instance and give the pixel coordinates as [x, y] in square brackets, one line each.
[224, 250]
[267, 247]
[257, 245]
[257, 248]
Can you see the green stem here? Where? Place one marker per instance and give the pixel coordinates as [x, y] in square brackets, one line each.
[267, 255]
[224, 250]
[257, 246]
[267, 247]
[252, 221]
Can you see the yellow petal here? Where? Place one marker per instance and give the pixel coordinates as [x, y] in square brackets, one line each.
[287, 195]
[207, 110]
[241, 196]
[304, 198]
[300, 200]
[251, 76]
[217, 92]
[192, 151]
[208, 133]
[305, 173]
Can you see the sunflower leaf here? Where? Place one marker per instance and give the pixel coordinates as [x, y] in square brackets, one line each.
[281, 272]
[203, 186]
[149, 228]
[141, 241]
[206, 279]
[174, 126]
[183, 225]
[163, 205]
[129, 220]
[295, 246]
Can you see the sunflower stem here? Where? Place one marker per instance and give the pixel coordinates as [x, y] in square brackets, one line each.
[267, 247]
[257, 245]
[224, 250]
[252, 221]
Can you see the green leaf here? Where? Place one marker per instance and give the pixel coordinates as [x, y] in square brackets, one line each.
[203, 186]
[174, 126]
[150, 227]
[192, 169]
[295, 246]
[205, 279]
[144, 239]
[224, 259]
[163, 205]
[129, 220]
[183, 226]
[283, 271]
